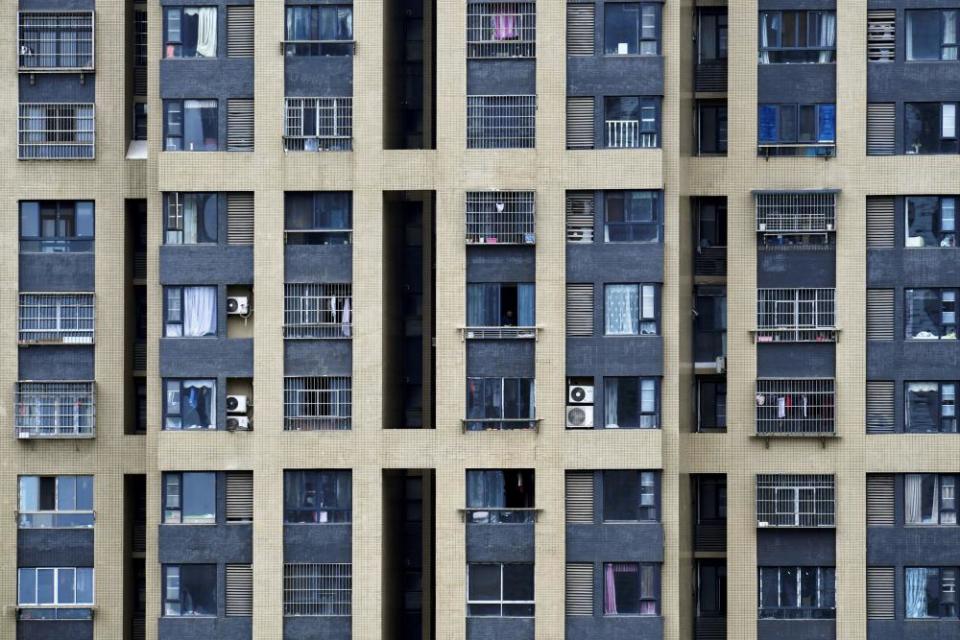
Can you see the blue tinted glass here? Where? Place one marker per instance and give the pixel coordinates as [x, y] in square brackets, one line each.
[28, 587]
[768, 123]
[827, 115]
[29, 219]
[85, 219]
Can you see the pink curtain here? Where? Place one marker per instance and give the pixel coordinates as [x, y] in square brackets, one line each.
[609, 591]
[504, 26]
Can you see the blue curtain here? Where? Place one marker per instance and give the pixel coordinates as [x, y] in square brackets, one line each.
[526, 305]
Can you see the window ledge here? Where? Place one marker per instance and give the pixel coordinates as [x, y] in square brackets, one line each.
[822, 437]
[465, 421]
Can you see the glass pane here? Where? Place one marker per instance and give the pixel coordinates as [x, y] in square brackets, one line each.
[27, 587]
[621, 495]
[199, 498]
[65, 586]
[621, 28]
[198, 589]
[923, 35]
[484, 581]
[66, 493]
[518, 582]
[29, 493]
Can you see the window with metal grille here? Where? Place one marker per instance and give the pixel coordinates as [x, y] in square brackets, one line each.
[796, 315]
[581, 214]
[318, 311]
[318, 124]
[56, 41]
[501, 122]
[800, 406]
[881, 35]
[319, 403]
[501, 217]
[631, 122]
[55, 409]
[239, 589]
[56, 318]
[501, 30]
[795, 501]
[56, 131]
[322, 589]
[796, 213]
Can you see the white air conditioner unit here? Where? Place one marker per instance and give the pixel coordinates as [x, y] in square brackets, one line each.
[238, 423]
[580, 416]
[578, 236]
[236, 404]
[580, 394]
[238, 305]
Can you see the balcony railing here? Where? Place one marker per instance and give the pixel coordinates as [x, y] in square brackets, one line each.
[297, 48]
[56, 42]
[501, 30]
[501, 122]
[793, 501]
[55, 409]
[56, 318]
[796, 212]
[500, 217]
[796, 315]
[318, 124]
[318, 311]
[56, 131]
[816, 149]
[626, 134]
[501, 424]
[499, 515]
[499, 333]
[795, 407]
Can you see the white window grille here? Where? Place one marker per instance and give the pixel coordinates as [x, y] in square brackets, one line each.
[632, 134]
[55, 409]
[61, 41]
[798, 212]
[316, 311]
[500, 217]
[318, 403]
[795, 501]
[56, 318]
[795, 407]
[56, 131]
[501, 122]
[321, 589]
[796, 315]
[318, 124]
[501, 30]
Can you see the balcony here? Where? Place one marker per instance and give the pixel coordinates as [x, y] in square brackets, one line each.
[795, 501]
[816, 150]
[55, 410]
[501, 122]
[627, 134]
[318, 124]
[501, 217]
[797, 407]
[796, 212]
[56, 131]
[710, 261]
[56, 42]
[499, 333]
[796, 315]
[56, 318]
[501, 30]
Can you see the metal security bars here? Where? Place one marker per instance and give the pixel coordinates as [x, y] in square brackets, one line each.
[631, 134]
[56, 318]
[500, 217]
[799, 212]
[317, 403]
[56, 131]
[795, 501]
[501, 30]
[317, 589]
[795, 407]
[796, 315]
[318, 124]
[318, 311]
[55, 409]
[501, 122]
[56, 41]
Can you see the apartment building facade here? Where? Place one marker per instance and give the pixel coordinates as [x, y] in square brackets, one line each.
[408, 320]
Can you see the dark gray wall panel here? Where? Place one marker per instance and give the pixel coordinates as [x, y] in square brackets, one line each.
[206, 264]
[317, 543]
[55, 630]
[56, 272]
[615, 628]
[205, 628]
[500, 628]
[614, 75]
[318, 76]
[55, 547]
[501, 77]
[325, 263]
[57, 5]
[914, 81]
[801, 547]
[199, 357]
[796, 630]
[911, 629]
[800, 360]
[913, 267]
[501, 358]
[913, 546]
[501, 264]
[798, 83]
[220, 78]
[318, 357]
[57, 87]
[56, 362]
[766, 5]
[620, 542]
[614, 263]
[912, 359]
[316, 628]
[500, 542]
[796, 268]
[221, 543]
[614, 356]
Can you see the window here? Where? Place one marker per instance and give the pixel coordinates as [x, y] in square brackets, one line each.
[317, 497]
[189, 590]
[55, 409]
[191, 125]
[631, 29]
[931, 314]
[931, 407]
[631, 216]
[191, 218]
[630, 588]
[325, 30]
[190, 32]
[932, 34]
[496, 304]
[190, 312]
[931, 221]
[711, 404]
[139, 129]
[50, 226]
[712, 40]
[501, 30]
[631, 310]
[317, 403]
[56, 41]
[631, 122]
[501, 122]
[56, 131]
[51, 587]
[318, 218]
[190, 498]
[929, 499]
[500, 403]
[317, 589]
[500, 217]
[930, 592]
[500, 590]
[500, 496]
[797, 36]
[630, 496]
[711, 223]
[318, 124]
[711, 499]
[796, 315]
[786, 129]
[630, 403]
[795, 406]
[314, 311]
[709, 325]
[711, 127]
[55, 502]
[931, 127]
[711, 589]
[56, 318]
[190, 404]
[798, 593]
[795, 501]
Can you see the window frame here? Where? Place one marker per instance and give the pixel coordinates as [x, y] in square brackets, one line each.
[940, 505]
[173, 47]
[168, 414]
[719, 141]
[499, 287]
[174, 217]
[946, 406]
[721, 34]
[651, 417]
[637, 39]
[947, 143]
[648, 117]
[314, 45]
[502, 602]
[941, 588]
[75, 518]
[56, 604]
[319, 208]
[166, 600]
[648, 483]
[176, 503]
[181, 108]
[824, 594]
[942, 237]
[179, 291]
[644, 315]
[500, 422]
[341, 514]
[941, 30]
[633, 226]
[802, 28]
[779, 109]
[62, 218]
[946, 321]
[642, 597]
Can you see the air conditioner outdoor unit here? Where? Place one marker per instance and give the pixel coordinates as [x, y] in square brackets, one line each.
[236, 404]
[580, 416]
[238, 423]
[580, 394]
[238, 305]
[577, 236]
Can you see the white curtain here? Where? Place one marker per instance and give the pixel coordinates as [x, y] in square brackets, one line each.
[949, 36]
[916, 595]
[206, 30]
[189, 220]
[828, 35]
[622, 309]
[909, 35]
[346, 316]
[611, 397]
[200, 311]
[764, 40]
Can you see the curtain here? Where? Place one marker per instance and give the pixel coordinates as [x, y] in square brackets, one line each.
[949, 36]
[200, 311]
[828, 35]
[913, 499]
[198, 404]
[916, 592]
[190, 219]
[622, 309]
[764, 38]
[345, 318]
[504, 26]
[648, 602]
[206, 31]
[475, 305]
[526, 305]
[298, 23]
[609, 590]
[611, 398]
[910, 15]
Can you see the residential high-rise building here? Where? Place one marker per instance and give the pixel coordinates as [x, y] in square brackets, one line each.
[475, 319]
